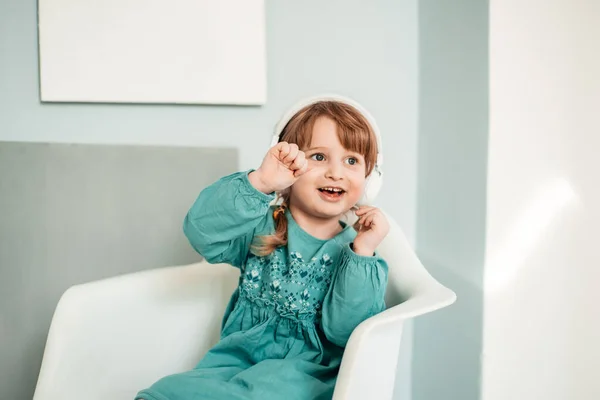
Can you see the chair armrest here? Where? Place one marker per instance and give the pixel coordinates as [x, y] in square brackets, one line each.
[369, 364]
[425, 302]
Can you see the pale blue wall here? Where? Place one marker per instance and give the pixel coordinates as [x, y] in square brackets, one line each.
[367, 50]
[453, 136]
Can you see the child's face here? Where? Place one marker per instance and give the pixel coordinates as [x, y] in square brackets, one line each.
[331, 166]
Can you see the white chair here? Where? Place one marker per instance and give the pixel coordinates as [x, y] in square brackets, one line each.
[110, 338]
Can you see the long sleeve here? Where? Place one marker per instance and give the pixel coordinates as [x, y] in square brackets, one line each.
[356, 293]
[222, 221]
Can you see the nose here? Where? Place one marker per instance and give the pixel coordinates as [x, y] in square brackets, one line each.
[334, 171]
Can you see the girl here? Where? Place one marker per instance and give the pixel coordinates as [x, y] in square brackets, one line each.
[307, 278]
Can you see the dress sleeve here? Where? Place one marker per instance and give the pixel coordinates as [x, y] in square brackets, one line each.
[222, 221]
[356, 293]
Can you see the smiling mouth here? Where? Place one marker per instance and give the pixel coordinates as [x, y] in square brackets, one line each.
[332, 191]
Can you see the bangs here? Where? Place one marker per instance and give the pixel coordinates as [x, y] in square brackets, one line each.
[353, 130]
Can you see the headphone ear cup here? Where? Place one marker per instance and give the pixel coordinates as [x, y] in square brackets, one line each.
[274, 141]
[364, 200]
[372, 188]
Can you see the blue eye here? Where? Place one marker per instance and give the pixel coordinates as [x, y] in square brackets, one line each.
[352, 161]
[318, 157]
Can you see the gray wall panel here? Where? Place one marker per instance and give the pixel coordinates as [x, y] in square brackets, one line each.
[75, 213]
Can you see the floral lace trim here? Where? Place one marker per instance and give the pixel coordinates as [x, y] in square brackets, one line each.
[284, 310]
[266, 280]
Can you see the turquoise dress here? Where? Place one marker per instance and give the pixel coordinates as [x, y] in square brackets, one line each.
[286, 325]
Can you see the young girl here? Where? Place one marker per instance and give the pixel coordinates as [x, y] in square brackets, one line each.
[307, 278]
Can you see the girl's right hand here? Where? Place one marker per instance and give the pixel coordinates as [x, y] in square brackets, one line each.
[280, 169]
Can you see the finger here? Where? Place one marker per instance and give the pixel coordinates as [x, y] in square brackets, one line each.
[277, 146]
[300, 164]
[289, 159]
[364, 217]
[375, 217]
[362, 221]
[360, 211]
[302, 170]
[357, 226]
[299, 161]
[280, 146]
[363, 210]
[370, 221]
[284, 150]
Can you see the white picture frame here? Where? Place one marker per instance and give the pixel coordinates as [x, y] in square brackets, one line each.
[151, 51]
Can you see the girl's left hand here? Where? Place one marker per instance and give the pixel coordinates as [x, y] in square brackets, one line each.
[372, 226]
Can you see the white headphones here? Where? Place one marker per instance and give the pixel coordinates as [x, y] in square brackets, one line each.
[374, 180]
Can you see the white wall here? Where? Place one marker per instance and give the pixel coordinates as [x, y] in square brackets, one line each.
[541, 324]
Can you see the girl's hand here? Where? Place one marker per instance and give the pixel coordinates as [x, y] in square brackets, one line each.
[372, 226]
[280, 169]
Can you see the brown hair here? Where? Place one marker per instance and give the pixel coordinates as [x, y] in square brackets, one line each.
[355, 134]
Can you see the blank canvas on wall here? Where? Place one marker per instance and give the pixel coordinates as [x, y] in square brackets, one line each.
[153, 51]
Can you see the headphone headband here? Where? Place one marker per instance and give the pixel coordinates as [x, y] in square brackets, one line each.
[337, 98]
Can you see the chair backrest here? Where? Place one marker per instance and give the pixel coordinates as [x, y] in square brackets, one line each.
[111, 338]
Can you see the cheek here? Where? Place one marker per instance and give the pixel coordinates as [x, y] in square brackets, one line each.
[358, 180]
[356, 189]
[303, 184]
[316, 168]
[310, 177]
